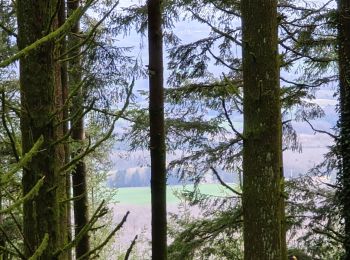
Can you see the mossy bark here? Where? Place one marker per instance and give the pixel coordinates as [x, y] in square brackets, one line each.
[79, 177]
[262, 145]
[40, 85]
[157, 132]
[344, 120]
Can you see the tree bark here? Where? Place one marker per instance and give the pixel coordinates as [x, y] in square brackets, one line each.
[65, 129]
[262, 145]
[344, 120]
[3, 255]
[157, 132]
[39, 83]
[81, 209]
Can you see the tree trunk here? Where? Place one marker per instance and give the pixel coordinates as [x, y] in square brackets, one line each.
[81, 209]
[262, 145]
[157, 133]
[40, 82]
[3, 255]
[65, 129]
[344, 121]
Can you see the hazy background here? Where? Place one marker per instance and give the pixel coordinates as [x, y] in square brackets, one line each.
[131, 169]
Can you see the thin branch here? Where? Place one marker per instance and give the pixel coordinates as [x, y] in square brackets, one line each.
[320, 131]
[223, 62]
[22, 162]
[227, 35]
[304, 55]
[91, 33]
[7, 30]
[120, 225]
[6, 250]
[328, 234]
[12, 244]
[229, 119]
[98, 213]
[31, 194]
[128, 252]
[304, 85]
[8, 132]
[231, 12]
[113, 114]
[217, 175]
[107, 135]
[70, 96]
[18, 225]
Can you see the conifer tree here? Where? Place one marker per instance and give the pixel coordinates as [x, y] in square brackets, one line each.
[262, 144]
[344, 119]
[79, 178]
[157, 132]
[40, 85]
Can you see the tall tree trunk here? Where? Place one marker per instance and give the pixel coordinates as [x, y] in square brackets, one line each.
[39, 83]
[81, 209]
[284, 247]
[344, 121]
[64, 82]
[262, 145]
[157, 133]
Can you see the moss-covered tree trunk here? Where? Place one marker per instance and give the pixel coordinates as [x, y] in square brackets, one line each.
[344, 121]
[262, 148]
[40, 85]
[157, 133]
[79, 177]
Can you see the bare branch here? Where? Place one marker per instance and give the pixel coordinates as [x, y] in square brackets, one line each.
[120, 225]
[128, 252]
[229, 119]
[320, 131]
[223, 183]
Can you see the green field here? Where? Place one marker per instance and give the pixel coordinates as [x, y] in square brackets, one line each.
[142, 195]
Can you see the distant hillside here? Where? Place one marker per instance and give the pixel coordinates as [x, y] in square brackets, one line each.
[141, 177]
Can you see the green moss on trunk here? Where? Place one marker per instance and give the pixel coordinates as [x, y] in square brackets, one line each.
[39, 82]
